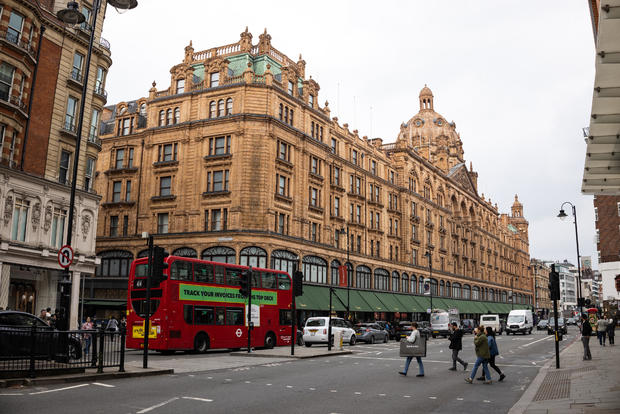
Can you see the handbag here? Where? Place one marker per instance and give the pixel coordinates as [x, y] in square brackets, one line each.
[416, 349]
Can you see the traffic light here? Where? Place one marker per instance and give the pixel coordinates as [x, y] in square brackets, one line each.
[581, 302]
[298, 283]
[554, 285]
[588, 302]
[245, 283]
[159, 265]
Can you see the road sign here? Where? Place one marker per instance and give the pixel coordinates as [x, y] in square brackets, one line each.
[238, 333]
[65, 256]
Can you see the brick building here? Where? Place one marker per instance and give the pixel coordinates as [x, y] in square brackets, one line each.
[237, 161]
[42, 66]
[540, 280]
[607, 223]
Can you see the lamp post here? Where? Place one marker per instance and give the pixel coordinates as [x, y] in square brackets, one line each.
[71, 15]
[562, 215]
[344, 230]
[430, 280]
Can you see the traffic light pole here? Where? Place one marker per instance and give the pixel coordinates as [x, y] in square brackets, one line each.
[293, 318]
[147, 317]
[329, 327]
[557, 339]
[250, 310]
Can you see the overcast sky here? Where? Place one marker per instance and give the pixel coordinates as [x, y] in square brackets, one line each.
[515, 76]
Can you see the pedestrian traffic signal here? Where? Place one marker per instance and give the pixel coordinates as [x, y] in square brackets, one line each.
[159, 265]
[554, 285]
[245, 283]
[298, 283]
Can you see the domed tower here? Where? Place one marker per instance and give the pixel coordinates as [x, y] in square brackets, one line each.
[426, 99]
[517, 218]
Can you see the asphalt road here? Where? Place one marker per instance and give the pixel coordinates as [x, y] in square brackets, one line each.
[365, 381]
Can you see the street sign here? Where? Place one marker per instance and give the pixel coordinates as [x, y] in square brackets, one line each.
[65, 256]
[428, 310]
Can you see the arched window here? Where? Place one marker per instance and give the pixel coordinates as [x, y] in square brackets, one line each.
[395, 281]
[414, 282]
[143, 109]
[405, 283]
[421, 285]
[362, 277]
[335, 279]
[229, 106]
[504, 296]
[434, 287]
[466, 292]
[350, 273]
[143, 253]
[185, 252]
[284, 260]
[162, 117]
[441, 288]
[220, 108]
[475, 293]
[114, 263]
[212, 109]
[448, 290]
[220, 254]
[382, 279]
[315, 269]
[169, 117]
[253, 256]
[492, 295]
[456, 290]
[177, 115]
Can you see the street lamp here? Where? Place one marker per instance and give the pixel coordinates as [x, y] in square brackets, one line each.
[346, 231]
[562, 215]
[430, 280]
[71, 16]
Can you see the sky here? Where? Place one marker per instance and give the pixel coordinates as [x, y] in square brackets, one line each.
[516, 77]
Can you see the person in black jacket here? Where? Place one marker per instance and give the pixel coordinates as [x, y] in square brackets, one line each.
[456, 344]
[586, 331]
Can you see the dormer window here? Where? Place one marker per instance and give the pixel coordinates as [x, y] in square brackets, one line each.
[311, 101]
[290, 88]
[143, 109]
[180, 85]
[215, 79]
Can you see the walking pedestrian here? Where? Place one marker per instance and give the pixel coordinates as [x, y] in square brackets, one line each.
[494, 351]
[482, 356]
[611, 331]
[415, 336]
[112, 326]
[586, 331]
[601, 327]
[43, 315]
[87, 326]
[456, 344]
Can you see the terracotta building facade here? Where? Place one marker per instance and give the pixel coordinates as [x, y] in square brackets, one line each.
[607, 223]
[237, 161]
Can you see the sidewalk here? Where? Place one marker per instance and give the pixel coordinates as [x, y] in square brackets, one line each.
[301, 352]
[578, 386]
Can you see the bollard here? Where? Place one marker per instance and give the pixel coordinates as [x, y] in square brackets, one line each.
[100, 356]
[121, 365]
[33, 332]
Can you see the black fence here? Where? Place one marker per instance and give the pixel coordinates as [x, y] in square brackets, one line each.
[32, 351]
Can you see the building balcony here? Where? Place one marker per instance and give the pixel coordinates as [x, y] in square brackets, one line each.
[167, 197]
[337, 187]
[315, 208]
[282, 197]
[94, 141]
[284, 163]
[162, 164]
[100, 93]
[69, 129]
[316, 177]
[122, 170]
[14, 103]
[18, 43]
[75, 79]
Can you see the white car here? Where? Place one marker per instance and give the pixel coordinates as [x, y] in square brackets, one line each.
[315, 331]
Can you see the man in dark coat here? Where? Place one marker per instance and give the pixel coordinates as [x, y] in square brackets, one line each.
[456, 344]
[586, 331]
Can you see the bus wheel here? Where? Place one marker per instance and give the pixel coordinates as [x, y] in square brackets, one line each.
[201, 343]
[270, 340]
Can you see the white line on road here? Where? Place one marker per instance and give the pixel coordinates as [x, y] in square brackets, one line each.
[103, 385]
[460, 399]
[538, 340]
[146, 410]
[433, 398]
[14, 393]
[429, 360]
[59, 389]
[312, 389]
[198, 399]
[358, 393]
[406, 396]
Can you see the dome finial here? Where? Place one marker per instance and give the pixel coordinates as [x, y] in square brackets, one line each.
[426, 98]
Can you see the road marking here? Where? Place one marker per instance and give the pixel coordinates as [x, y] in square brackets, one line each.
[358, 393]
[269, 385]
[59, 389]
[209, 377]
[289, 386]
[198, 399]
[333, 390]
[16, 393]
[406, 396]
[487, 401]
[381, 395]
[538, 340]
[433, 398]
[426, 360]
[103, 385]
[146, 410]
[312, 389]
[460, 399]
[228, 379]
[248, 382]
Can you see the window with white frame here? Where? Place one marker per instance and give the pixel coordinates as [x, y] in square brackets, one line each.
[78, 62]
[14, 30]
[58, 227]
[100, 80]
[63, 168]
[6, 80]
[180, 85]
[70, 114]
[214, 79]
[20, 217]
[94, 125]
[162, 223]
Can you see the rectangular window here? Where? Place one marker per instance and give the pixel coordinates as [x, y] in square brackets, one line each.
[14, 31]
[358, 213]
[94, 125]
[100, 81]
[358, 185]
[219, 145]
[58, 227]
[336, 175]
[220, 180]
[113, 226]
[334, 146]
[116, 191]
[336, 206]
[414, 257]
[167, 152]
[203, 315]
[290, 88]
[125, 126]
[281, 221]
[392, 177]
[128, 191]
[618, 209]
[373, 167]
[70, 115]
[313, 231]
[76, 71]
[234, 316]
[125, 225]
[180, 85]
[354, 157]
[281, 185]
[283, 151]
[216, 220]
[120, 159]
[414, 232]
[87, 13]
[377, 194]
[314, 197]
[130, 158]
[165, 186]
[598, 237]
[162, 223]
[314, 165]
[6, 80]
[351, 185]
[215, 79]
[63, 170]
[88, 174]
[311, 100]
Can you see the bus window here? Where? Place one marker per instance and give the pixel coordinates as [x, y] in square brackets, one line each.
[203, 273]
[232, 276]
[142, 270]
[234, 316]
[285, 317]
[268, 280]
[284, 283]
[188, 314]
[220, 275]
[203, 315]
[181, 270]
[255, 279]
[219, 318]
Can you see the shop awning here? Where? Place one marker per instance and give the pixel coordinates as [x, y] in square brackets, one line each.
[103, 302]
[374, 302]
[310, 300]
[390, 301]
[357, 303]
[424, 302]
[410, 303]
[439, 303]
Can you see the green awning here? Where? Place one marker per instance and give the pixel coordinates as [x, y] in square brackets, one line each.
[410, 303]
[439, 303]
[390, 301]
[424, 302]
[311, 299]
[373, 301]
[357, 304]
[110, 302]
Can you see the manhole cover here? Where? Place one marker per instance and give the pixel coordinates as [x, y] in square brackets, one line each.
[556, 385]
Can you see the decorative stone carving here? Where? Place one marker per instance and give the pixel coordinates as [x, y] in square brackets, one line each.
[8, 210]
[47, 219]
[36, 215]
[85, 226]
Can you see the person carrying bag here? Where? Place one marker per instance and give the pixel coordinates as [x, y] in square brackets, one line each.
[413, 346]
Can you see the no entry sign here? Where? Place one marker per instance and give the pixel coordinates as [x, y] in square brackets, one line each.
[65, 256]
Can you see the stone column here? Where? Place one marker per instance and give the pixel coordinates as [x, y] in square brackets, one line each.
[75, 299]
[5, 276]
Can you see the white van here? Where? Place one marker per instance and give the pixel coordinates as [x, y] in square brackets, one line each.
[520, 320]
[441, 321]
[492, 321]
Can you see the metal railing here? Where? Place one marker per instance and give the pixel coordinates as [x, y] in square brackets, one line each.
[32, 351]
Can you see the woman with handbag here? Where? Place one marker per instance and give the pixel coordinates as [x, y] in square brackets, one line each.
[415, 336]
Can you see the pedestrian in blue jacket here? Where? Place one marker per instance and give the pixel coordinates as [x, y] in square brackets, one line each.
[494, 351]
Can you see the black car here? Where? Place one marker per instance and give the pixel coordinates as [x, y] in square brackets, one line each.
[15, 338]
[562, 327]
[468, 325]
[542, 324]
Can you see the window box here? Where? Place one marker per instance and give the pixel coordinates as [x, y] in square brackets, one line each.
[164, 198]
[284, 198]
[215, 193]
[118, 171]
[158, 164]
[316, 209]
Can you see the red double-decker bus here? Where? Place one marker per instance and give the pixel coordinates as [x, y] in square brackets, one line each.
[199, 307]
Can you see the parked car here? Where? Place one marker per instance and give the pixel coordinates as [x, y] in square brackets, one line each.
[315, 331]
[468, 325]
[390, 330]
[425, 328]
[404, 329]
[520, 320]
[561, 326]
[542, 325]
[571, 321]
[15, 338]
[371, 333]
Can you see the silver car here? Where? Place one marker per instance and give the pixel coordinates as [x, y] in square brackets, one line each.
[371, 333]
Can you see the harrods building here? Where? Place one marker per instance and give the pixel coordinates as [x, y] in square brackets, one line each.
[236, 161]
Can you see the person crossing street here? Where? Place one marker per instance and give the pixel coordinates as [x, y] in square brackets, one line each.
[415, 336]
[494, 351]
[483, 355]
[456, 344]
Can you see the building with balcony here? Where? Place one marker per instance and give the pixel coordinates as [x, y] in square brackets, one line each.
[237, 161]
[42, 66]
